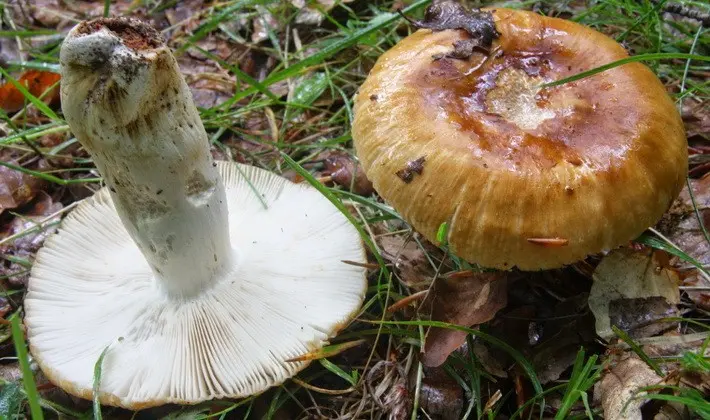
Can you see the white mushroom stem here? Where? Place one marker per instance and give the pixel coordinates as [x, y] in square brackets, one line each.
[127, 103]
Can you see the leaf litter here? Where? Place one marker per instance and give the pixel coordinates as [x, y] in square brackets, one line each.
[631, 289]
[620, 388]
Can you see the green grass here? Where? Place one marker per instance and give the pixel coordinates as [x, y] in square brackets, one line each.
[314, 118]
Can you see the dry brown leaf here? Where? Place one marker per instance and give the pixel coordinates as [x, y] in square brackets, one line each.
[465, 301]
[687, 234]
[684, 230]
[210, 85]
[696, 118]
[621, 383]
[347, 173]
[629, 274]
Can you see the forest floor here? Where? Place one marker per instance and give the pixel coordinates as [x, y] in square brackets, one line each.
[273, 77]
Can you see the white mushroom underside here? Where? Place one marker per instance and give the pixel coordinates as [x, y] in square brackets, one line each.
[289, 293]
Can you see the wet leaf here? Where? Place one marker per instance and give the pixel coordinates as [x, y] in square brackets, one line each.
[310, 89]
[629, 274]
[620, 384]
[635, 316]
[466, 301]
[449, 14]
[11, 398]
[440, 395]
[37, 83]
[17, 188]
[347, 173]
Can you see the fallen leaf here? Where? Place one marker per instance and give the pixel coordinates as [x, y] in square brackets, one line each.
[313, 12]
[629, 274]
[263, 24]
[409, 259]
[569, 327]
[487, 358]
[440, 395]
[696, 119]
[620, 384]
[686, 232]
[37, 83]
[210, 83]
[17, 188]
[11, 372]
[464, 301]
[347, 173]
[636, 316]
[682, 228]
[27, 244]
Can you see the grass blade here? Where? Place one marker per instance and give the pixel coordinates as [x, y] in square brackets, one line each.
[30, 97]
[27, 376]
[97, 384]
[326, 52]
[338, 371]
[617, 63]
[48, 177]
[215, 20]
[635, 347]
[527, 367]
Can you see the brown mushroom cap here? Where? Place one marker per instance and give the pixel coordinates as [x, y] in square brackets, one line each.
[527, 177]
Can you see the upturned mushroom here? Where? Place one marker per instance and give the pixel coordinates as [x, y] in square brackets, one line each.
[200, 278]
[453, 125]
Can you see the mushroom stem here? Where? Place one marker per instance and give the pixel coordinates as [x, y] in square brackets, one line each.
[128, 105]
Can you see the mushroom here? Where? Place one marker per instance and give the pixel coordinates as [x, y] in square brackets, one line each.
[201, 279]
[525, 175]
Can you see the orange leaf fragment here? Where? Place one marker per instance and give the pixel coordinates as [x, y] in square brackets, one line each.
[37, 83]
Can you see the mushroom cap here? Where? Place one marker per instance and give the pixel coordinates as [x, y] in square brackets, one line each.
[289, 292]
[525, 177]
